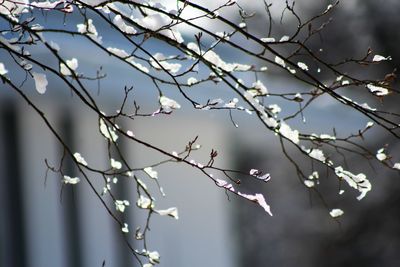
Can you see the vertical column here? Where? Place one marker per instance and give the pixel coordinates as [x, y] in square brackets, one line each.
[70, 197]
[12, 241]
[123, 255]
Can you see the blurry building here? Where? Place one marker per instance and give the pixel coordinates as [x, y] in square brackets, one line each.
[43, 224]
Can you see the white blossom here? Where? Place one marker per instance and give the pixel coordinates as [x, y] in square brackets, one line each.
[115, 164]
[159, 62]
[254, 172]
[327, 137]
[259, 199]
[168, 104]
[216, 60]
[336, 213]
[70, 180]
[194, 47]
[144, 202]
[366, 106]
[290, 134]
[78, 157]
[377, 90]
[225, 184]
[154, 257]
[298, 97]
[258, 174]
[152, 173]
[280, 61]
[54, 46]
[359, 181]
[378, 58]
[106, 188]
[302, 66]
[120, 23]
[3, 69]
[107, 132]
[292, 71]
[155, 22]
[47, 5]
[90, 30]
[284, 38]
[139, 235]
[137, 65]
[314, 175]
[120, 205]
[329, 7]
[222, 35]
[40, 82]
[14, 8]
[118, 52]
[309, 183]
[369, 124]
[26, 65]
[268, 40]
[275, 108]
[380, 154]
[269, 121]
[72, 64]
[191, 81]
[232, 103]
[259, 89]
[345, 82]
[396, 166]
[315, 153]
[173, 212]
[125, 228]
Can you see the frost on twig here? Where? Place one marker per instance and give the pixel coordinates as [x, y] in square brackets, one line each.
[226, 71]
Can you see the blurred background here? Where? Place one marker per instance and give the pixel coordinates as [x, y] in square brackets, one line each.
[43, 224]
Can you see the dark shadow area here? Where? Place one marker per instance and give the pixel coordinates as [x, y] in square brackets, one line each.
[13, 243]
